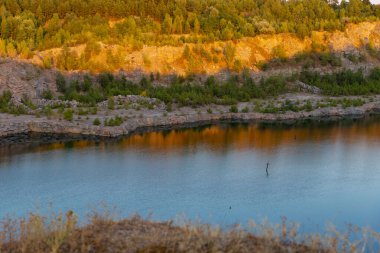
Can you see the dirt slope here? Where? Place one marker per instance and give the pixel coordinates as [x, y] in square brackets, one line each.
[249, 51]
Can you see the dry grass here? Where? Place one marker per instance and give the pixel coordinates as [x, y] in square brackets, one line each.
[104, 233]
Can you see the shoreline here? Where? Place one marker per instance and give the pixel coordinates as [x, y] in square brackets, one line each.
[25, 128]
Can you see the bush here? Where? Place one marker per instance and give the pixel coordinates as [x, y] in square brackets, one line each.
[47, 94]
[273, 86]
[16, 110]
[61, 83]
[117, 121]
[308, 106]
[27, 102]
[47, 111]
[5, 99]
[68, 115]
[344, 83]
[96, 122]
[111, 103]
[183, 91]
[264, 66]
[234, 109]
[169, 107]
[229, 54]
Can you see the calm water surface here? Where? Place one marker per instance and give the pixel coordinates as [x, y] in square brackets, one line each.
[318, 173]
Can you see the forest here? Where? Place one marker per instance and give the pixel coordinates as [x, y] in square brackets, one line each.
[30, 25]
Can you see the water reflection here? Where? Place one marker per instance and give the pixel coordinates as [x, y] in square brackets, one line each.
[319, 172]
[223, 137]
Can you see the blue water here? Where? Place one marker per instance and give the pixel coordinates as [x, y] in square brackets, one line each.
[317, 175]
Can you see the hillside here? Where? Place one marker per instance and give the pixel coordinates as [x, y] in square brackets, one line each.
[181, 37]
[212, 58]
[110, 66]
[263, 55]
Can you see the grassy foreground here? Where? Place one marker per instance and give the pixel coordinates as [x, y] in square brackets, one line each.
[104, 233]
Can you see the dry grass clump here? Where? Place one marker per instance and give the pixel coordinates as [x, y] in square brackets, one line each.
[103, 233]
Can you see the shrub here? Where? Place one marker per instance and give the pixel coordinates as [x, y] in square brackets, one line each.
[308, 106]
[5, 99]
[111, 103]
[47, 111]
[229, 54]
[116, 121]
[68, 115]
[61, 83]
[344, 83]
[169, 107]
[96, 122]
[234, 109]
[273, 86]
[47, 94]
[264, 66]
[27, 102]
[16, 110]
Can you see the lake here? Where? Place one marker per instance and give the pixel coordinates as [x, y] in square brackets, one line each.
[318, 173]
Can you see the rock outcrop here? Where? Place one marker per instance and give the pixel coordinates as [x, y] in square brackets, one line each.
[14, 125]
[308, 88]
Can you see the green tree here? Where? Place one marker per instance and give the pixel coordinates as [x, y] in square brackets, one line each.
[178, 26]
[11, 50]
[24, 50]
[92, 48]
[26, 30]
[229, 54]
[3, 48]
[67, 59]
[187, 26]
[53, 25]
[4, 28]
[61, 83]
[227, 33]
[302, 31]
[186, 53]
[39, 14]
[197, 26]
[39, 37]
[167, 25]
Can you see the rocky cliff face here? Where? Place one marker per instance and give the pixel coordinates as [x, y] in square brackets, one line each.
[22, 78]
[26, 77]
[209, 58]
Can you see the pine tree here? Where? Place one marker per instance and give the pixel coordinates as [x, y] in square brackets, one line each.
[39, 37]
[167, 25]
[4, 28]
[178, 27]
[11, 50]
[229, 54]
[197, 26]
[3, 49]
[187, 26]
[186, 52]
[39, 14]
[23, 50]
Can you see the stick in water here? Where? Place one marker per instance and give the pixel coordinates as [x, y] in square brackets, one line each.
[267, 169]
